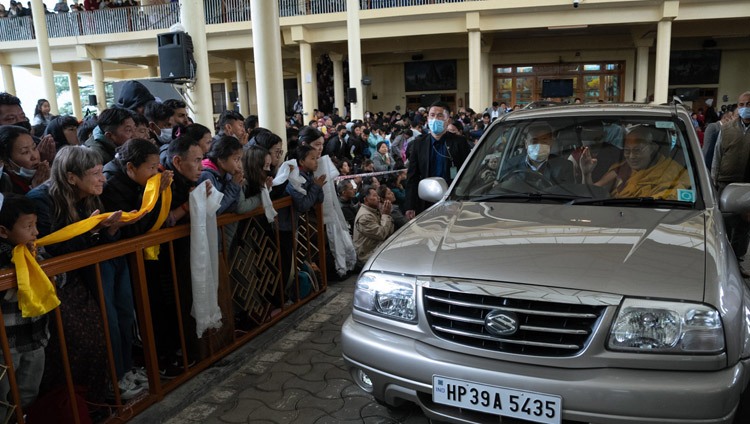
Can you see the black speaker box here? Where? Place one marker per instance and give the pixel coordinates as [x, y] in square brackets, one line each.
[92, 99]
[351, 93]
[176, 56]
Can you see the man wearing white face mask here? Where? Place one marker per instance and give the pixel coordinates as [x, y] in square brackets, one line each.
[540, 159]
[730, 165]
[437, 154]
[159, 117]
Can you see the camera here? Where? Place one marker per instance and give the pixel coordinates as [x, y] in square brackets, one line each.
[576, 3]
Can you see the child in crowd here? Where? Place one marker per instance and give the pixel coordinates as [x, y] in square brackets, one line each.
[27, 337]
[307, 160]
[223, 168]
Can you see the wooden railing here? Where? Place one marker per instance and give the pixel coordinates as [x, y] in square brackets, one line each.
[249, 278]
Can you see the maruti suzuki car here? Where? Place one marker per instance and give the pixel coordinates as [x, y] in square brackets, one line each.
[576, 270]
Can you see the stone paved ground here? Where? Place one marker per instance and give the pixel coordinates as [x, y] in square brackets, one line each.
[294, 374]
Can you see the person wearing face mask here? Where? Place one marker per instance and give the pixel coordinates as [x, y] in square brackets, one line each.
[539, 158]
[730, 165]
[437, 154]
[22, 164]
[159, 118]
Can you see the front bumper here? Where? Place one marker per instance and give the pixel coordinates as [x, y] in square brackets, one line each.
[402, 369]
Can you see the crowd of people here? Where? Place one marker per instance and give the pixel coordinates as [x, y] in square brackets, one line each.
[16, 8]
[57, 171]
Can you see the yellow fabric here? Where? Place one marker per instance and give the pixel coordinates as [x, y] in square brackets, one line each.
[660, 181]
[36, 294]
[152, 253]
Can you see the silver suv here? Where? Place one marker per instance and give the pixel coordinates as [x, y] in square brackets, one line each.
[577, 269]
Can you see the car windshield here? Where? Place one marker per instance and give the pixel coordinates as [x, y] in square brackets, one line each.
[583, 160]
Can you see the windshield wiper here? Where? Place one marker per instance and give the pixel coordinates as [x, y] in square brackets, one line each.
[531, 197]
[637, 201]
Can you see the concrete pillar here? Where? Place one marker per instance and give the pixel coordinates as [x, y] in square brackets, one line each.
[199, 95]
[242, 97]
[153, 72]
[45, 58]
[75, 94]
[308, 76]
[338, 82]
[475, 70]
[663, 46]
[269, 77]
[97, 72]
[9, 84]
[355, 58]
[228, 104]
[299, 83]
[641, 73]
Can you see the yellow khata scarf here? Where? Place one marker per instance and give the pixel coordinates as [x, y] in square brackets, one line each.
[36, 294]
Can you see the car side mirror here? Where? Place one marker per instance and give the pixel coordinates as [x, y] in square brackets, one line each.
[734, 199]
[432, 189]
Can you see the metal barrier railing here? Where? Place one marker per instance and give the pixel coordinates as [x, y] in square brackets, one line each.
[16, 29]
[250, 284]
[162, 16]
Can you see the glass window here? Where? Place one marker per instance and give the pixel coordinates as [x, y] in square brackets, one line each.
[504, 70]
[504, 89]
[524, 69]
[503, 165]
[592, 67]
[524, 90]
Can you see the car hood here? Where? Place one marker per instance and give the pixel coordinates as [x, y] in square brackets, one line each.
[627, 251]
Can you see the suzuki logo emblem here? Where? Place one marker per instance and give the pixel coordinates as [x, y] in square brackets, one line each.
[501, 323]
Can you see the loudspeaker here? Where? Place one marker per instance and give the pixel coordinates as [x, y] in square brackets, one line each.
[176, 56]
[418, 56]
[92, 99]
[351, 93]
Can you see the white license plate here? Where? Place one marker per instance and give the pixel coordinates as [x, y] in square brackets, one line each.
[530, 406]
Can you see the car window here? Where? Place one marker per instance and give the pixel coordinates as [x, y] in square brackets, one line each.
[582, 158]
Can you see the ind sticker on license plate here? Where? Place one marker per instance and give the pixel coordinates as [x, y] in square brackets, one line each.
[532, 406]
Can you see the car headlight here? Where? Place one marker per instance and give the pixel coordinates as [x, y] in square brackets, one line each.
[666, 327]
[390, 295]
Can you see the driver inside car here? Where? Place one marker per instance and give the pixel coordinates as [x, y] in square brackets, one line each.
[644, 173]
[539, 167]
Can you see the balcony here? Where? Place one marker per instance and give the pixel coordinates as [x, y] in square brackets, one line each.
[163, 16]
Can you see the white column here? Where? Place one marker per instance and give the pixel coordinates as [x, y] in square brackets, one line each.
[663, 46]
[75, 94]
[242, 97]
[338, 82]
[199, 95]
[45, 58]
[355, 57]
[641, 74]
[308, 76]
[9, 84]
[97, 72]
[475, 70]
[269, 82]
[228, 104]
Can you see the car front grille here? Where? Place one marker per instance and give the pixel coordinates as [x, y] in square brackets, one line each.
[544, 328]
